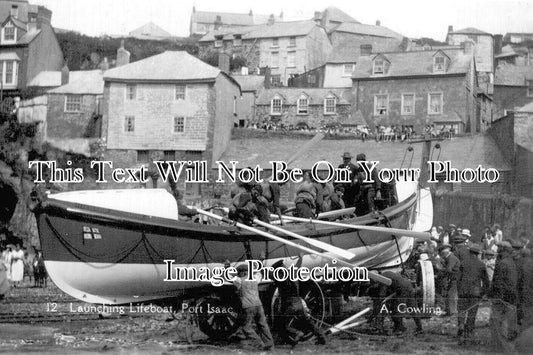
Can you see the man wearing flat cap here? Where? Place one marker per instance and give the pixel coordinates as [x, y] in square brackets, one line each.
[472, 284]
[450, 273]
[350, 190]
[504, 299]
[368, 191]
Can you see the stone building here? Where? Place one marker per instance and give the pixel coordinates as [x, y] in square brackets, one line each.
[287, 48]
[251, 85]
[304, 107]
[28, 45]
[513, 88]
[419, 88]
[171, 106]
[332, 17]
[203, 22]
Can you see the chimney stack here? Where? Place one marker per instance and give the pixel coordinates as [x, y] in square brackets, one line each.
[65, 72]
[450, 29]
[223, 62]
[498, 44]
[268, 78]
[366, 49]
[218, 22]
[378, 23]
[468, 46]
[104, 65]
[271, 20]
[123, 56]
[251, 13]
[281, 15]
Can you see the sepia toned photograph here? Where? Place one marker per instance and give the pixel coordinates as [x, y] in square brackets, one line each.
[247, 177]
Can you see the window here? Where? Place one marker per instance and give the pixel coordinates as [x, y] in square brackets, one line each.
[303, 105]
[275, 42]
[408, 104]
[439, 64]
[275, 106]
[9, 33]
[179, 124]
[292, 41]
[32, 17]
[435, 103]
[330, 104]
[169, 155]
[291, 59]
[381, 105]
[143, 156]
[181, 91]
[275, 80]
[131, 92]
[237, 40]
[529, 84]
[274, 56]
[73, 103]
[10, 72]
[129, 124]
[218, 41]
[379, 67]
[348, 69]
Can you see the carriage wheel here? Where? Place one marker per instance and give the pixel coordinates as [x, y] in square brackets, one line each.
[427, 282]
[315, 304]
[217, 325]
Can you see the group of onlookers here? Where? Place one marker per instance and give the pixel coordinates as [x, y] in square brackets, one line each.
[16, 263]
[469, 269]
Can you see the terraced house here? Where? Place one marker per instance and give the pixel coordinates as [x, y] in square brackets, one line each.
[171, 106]
[419, 88]
[287, 48]
[28, 45]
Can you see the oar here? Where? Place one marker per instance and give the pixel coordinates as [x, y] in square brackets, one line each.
[372, 275]
[401, 232]
[316, 243]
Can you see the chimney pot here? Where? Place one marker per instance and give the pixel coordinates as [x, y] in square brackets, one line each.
[450, 29]
[378, 23]
[271, 20]
[218, 22]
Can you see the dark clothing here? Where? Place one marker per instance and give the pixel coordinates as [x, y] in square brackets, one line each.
[450, 274]
[525, 291]
[366, 191]
[350, 190]
[304, 210]
[505, 281]
[272, 192]
[256, 315]
[461, 251]
[473, 282]
[519, 261]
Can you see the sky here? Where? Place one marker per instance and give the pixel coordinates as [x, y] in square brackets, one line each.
[412, 18]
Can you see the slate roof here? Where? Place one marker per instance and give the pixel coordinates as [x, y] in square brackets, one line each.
[526, 108]
[291, 95]
[513, 75]
[370, 30]
[149, 30]
[349, 51]
[232, 19]
[337, 15]
[415, 63]
[28, 37]
[278, 29]
[167, 66]
[463, 152]
[18, 23]
[46, 79]
[471, 31]
[82, 82]
[250, 82]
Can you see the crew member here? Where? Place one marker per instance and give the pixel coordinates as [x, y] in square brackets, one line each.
[450, 272]
[307, 197]
[297, 322]
[368, 191]
[472, 284]
[350, 190]
[253, 312]
[271, 192]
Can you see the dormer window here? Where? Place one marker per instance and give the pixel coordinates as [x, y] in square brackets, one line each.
[9, 33]
[303, 105]
[275, 42]
[379, 66]
[219, 41]
[237, 40]
[439, 64]
[276, 106]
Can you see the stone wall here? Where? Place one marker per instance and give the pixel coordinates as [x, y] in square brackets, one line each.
[509, 98]
[61, 124]
[315, 118]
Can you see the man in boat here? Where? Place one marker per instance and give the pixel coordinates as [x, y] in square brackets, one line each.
[367, 191]
[297, 321]
[404, 298]
[472, 284]
[350, 190]
[249, 204]
[271, 192]
[308, 196]
[504, 298]
[450, 272]
[252, 308]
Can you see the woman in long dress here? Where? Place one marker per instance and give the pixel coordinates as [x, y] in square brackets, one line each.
[4, 281]
[17, 266]
[6, 260]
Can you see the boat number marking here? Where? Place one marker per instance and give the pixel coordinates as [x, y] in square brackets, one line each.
[91, 233]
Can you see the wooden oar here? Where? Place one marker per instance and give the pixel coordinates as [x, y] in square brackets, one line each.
[400, 232]
[336, 213]
[316, 243]
[372, 275]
